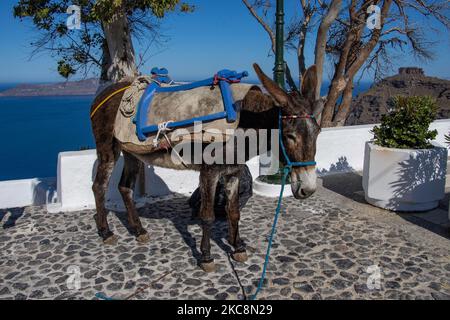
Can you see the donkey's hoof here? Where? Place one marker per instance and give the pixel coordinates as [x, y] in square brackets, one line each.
[111, 240]
[239, 256]
[208, 266]
[143, 238]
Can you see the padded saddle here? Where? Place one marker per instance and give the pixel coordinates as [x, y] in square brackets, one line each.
[223, 78]
[150, 104]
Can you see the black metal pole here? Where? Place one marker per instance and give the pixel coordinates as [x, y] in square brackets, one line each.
[279, 70]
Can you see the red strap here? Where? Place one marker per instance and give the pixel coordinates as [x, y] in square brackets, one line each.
[217, 79]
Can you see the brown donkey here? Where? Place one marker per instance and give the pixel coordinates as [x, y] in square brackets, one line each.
[259, 111]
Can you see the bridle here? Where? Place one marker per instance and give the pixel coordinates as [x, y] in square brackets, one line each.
[289, 164]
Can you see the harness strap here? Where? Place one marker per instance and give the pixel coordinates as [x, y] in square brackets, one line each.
[306, 116]
[289, 163]
[107, 99]
[218, 78]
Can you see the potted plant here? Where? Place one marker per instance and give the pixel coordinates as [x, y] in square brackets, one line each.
[404, 170]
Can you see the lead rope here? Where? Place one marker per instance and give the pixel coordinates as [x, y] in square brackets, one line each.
[286, 171]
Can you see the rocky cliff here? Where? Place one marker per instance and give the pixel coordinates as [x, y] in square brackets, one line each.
[368, 107]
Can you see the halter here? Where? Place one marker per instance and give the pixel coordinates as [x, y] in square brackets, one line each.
[289, 163]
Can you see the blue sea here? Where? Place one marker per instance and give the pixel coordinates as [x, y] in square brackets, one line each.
[33, 130]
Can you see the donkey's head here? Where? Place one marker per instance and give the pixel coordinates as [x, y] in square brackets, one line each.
[299, 128]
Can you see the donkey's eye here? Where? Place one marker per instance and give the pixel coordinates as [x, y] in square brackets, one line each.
[290, 136]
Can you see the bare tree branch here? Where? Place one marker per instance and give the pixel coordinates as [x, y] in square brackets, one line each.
[261, 21]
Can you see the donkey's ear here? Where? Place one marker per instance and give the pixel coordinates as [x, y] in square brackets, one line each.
[309, 83]
[278, 94]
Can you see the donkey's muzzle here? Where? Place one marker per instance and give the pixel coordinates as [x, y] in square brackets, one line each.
[303, 182]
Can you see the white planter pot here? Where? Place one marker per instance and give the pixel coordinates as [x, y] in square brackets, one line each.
[404, 179]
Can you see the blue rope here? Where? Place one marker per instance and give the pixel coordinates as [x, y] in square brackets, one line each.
[286, 171]
[102, 296]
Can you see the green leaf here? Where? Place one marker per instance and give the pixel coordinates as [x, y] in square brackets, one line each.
[407, 125]
[65, 69]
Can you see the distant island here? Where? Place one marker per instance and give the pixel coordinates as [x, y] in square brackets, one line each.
[69, 88]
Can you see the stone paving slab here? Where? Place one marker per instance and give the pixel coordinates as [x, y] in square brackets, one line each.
[322, 250]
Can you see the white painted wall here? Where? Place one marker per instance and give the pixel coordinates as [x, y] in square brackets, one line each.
[76, 171]
[22, 193]
[349, 142]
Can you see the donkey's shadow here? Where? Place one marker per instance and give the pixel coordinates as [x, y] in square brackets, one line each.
[181, 215]
[14, 215]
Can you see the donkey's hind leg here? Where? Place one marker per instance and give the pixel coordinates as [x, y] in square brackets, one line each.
[126, 188]
[208, 183]
[107, 158]
[233, 215]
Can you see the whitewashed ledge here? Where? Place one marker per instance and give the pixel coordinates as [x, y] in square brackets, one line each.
[339, 150]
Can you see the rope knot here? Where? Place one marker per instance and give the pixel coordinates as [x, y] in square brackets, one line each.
[163, 127]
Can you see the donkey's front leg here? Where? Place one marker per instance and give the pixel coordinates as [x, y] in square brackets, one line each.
[208, 182]
[233, 215]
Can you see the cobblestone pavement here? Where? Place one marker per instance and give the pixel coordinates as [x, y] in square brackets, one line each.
[322, 250]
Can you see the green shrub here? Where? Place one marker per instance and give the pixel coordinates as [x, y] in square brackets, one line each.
[407, 125]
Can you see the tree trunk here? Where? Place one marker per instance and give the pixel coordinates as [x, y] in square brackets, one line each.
[321, 40]
[345, 106]
[120, 49]
[346, 71]
[336, 87]
[301, 53]
[106, 63]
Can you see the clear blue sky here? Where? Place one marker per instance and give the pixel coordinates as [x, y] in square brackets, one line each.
[220, 34]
